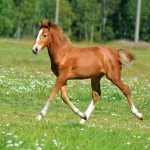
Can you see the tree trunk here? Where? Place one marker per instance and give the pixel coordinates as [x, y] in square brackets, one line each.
[86, 33]
[17, 33]
[57, 12]
[92, 32]
[104, 16]
[137, 25]
[34, 30]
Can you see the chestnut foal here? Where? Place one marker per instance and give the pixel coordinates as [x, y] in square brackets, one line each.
[70, 62]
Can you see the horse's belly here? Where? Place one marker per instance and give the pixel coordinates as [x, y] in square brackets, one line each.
[85, 72]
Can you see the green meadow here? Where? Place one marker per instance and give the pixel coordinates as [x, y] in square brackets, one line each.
[25, 84]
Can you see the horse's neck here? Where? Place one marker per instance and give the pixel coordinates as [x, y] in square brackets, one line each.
[57, 50]
[53, 64]
[53, 53]
[55, 46]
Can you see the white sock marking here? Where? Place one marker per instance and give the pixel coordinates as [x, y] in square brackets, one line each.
[88, 111]
[76, 111]
[135, 111]
[44, 110]
[39, 117]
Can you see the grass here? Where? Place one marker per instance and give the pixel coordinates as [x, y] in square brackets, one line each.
[25, 84]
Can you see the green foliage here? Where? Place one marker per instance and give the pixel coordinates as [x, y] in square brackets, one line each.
[45, 9]
[109, 34]
[125, 17]
[87, 18]
[6, 15]
[24, 15]
[83, 20]
[66, 16]
[124, 23]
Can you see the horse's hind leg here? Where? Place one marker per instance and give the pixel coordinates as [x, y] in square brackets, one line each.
[125, 89]
[66, 100]
[96, 92]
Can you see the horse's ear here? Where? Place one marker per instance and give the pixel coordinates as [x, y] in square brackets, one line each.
[49, 24]
[40, 24]
[46, 23]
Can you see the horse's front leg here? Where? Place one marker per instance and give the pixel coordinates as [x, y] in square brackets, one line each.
[60, 81]
[66, 100]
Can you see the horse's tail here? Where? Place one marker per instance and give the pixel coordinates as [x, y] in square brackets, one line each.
[126, 58]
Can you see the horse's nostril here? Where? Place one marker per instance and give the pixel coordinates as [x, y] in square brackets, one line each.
[35, 51]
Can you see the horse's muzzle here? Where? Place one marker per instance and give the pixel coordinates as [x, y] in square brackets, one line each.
[35, 51]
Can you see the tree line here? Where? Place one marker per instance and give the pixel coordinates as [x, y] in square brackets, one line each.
[83, 20]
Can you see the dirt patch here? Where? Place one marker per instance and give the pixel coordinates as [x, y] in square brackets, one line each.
[131, 43]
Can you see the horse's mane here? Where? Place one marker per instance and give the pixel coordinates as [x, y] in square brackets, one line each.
[57, 30]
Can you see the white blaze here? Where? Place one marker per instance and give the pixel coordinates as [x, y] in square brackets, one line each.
[38, 38]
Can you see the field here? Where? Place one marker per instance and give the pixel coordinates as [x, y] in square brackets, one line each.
[25, 84]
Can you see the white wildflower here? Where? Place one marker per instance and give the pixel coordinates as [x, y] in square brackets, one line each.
[146, 146]
[7, 124]
[45, 134]
[128, 143]
[15, 136]
[39, 148]
[55, 142]
[9, 134]
[148, 138]
[10, 145]
[16, 144]
[139, 137]
[93, 125]
[20, 142]
[9, 141]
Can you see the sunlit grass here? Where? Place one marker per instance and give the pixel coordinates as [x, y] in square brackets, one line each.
[25, 84]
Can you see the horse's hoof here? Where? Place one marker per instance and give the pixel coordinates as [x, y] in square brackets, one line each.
[39, 117]
[140, 116]
[85, 117]
[82, 121]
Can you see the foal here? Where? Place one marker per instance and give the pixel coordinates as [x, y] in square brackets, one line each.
[70, 62]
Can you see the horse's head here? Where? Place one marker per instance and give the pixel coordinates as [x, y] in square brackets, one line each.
[43, 39]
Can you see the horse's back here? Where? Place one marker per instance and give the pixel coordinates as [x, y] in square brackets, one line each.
[102, 55]
[91, 61]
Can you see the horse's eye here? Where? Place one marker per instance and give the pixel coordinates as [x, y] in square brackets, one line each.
[44, 35]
